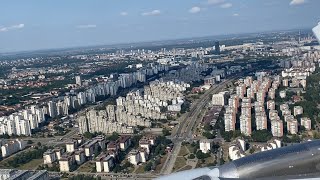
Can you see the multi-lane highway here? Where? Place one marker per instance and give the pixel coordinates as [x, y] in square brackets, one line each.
[187, 125]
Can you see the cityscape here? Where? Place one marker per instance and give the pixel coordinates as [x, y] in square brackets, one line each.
[228, 106]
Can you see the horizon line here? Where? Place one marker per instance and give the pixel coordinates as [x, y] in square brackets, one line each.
[17, 52]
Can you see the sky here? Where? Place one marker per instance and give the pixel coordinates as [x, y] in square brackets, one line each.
[46, 24]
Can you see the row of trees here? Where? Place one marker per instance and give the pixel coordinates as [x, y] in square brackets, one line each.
[26, 157]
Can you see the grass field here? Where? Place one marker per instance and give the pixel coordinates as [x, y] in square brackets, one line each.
[183, 151]
[87, 167]
[159, 166]
[140, 169]
[32, 165]
[190, 148]
[180, 162]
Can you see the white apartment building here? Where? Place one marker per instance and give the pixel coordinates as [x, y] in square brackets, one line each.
[237, 149]
[292, 126]
[12, 146]
[306, 122]
[277, 128]
[245, 125]
[261, 120]
[49, 157]
[297, 110]
[219, 99]
[230, 119]
[205, 145]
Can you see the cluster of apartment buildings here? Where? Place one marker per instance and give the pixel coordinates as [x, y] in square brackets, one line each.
[107, 160]
[260, 90]
[246, 91]
[136, 109]
[215, 76]
[25, 120]
[9, 147]
[263, 88]
[104, 153]
[164, 92]
[141, 154]
[188, 74]
[77, 152]
[22, 122]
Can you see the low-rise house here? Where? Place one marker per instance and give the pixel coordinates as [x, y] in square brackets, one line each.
[90, 147]
[112, 145]
[66, 162]
[143, 155]
[124, 142]
[237, 149]
[104, 163]
[58, 151]
[99, 164]
[134, 157]
[101, 141]
[71, 145]
[274, 144]
[144, 143]
[79, 156]
[147, 141]
[49, 156]
[108, 163]
[79, 139]
[205, 145]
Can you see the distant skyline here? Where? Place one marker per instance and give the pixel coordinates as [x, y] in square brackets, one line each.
[46, 24]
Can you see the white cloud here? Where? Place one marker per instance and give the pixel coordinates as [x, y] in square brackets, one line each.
[297, 2]
[152, 13]
[87, 26]
[195, 9]
[123, 13]
[235, 14]
[13, 27]
[215, 2]
[226, 5]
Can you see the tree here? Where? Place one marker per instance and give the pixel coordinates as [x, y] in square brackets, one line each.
[26, 157]
[191, 156]
[117, 168]
[30, 142]
[261, 135]
[228, 135]
[148, 166]
[113, 137]
[166, 132]
[207, 127]
[201, 155]
[293, 139]
[88, 135]
[208, 135]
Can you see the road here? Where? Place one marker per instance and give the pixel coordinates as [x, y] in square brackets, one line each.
[52, 141]
[188, 124]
